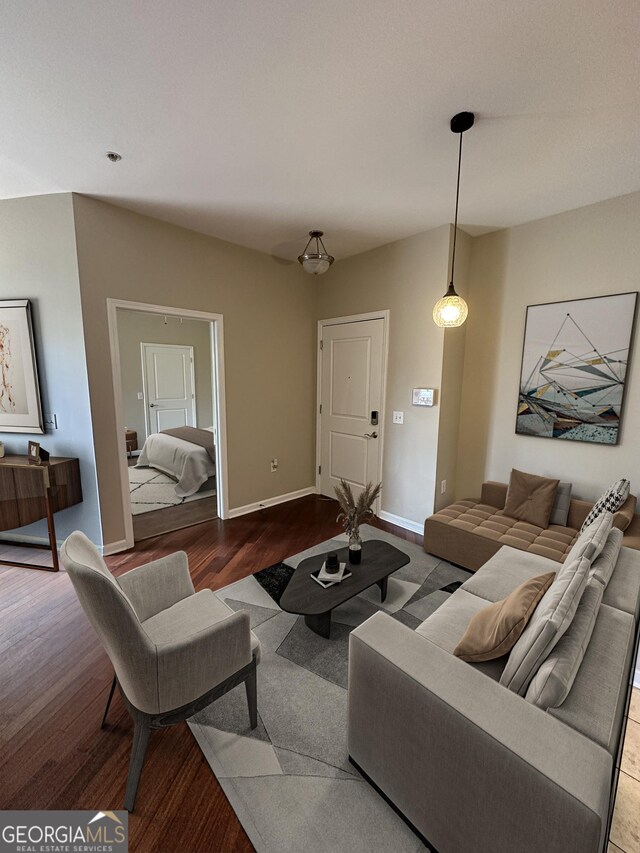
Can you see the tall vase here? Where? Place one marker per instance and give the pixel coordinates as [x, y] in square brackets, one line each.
[355, 547]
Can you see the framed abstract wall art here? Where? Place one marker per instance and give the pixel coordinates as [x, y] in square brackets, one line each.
[20, 408]
[574, 368]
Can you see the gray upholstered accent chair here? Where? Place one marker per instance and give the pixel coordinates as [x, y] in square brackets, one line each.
[174, 650]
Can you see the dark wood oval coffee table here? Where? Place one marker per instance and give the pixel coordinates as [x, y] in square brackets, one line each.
[306, 597]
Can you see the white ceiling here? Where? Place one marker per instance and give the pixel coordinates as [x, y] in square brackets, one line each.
[256, 120]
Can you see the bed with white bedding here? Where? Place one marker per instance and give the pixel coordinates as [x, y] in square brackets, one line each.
[188, 463]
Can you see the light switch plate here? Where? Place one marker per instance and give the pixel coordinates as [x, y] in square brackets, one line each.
[50, 421]
[140, 395]
[398, 417]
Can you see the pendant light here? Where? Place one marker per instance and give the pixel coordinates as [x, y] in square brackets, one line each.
[317, 260]
[451, 310]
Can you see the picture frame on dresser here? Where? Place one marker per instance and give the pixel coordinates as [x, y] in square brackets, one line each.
[20, 403]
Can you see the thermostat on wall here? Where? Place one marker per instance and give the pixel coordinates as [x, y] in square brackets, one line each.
[423, 396]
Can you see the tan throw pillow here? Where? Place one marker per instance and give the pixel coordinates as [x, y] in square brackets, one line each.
[495, 629]
[530, 498]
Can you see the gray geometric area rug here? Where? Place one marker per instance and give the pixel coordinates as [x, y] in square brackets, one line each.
[290, 781]
[151, 489]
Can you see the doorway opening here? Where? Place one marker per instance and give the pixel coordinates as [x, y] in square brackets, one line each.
[169, 399]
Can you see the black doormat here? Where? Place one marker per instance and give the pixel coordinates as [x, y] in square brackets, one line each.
[275, 579]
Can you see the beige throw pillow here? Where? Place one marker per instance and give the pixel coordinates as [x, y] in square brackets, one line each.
[550, 621]
[530, 498]
[561, 505]
[604, 564]
[554, 679]
[591, 541]
[495, 629]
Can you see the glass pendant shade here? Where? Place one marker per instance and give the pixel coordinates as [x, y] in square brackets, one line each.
[318, 260]
[316, 264]
[451, 310]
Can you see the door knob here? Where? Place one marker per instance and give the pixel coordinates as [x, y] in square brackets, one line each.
[152, 405]
[371, 435]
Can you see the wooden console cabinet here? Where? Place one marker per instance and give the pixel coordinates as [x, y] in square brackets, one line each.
[31, 492]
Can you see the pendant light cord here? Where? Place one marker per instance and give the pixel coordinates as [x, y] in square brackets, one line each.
[455, 222]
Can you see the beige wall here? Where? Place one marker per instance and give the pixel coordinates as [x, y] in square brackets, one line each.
[406, 277]
[38, 262]
[451, 385]
[269, 311]
[135, 328]
[592, 251]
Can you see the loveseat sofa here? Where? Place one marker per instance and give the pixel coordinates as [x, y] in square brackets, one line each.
[511, 767]
[469, 532]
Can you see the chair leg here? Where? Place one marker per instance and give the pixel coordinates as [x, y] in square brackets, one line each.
[251, 686]
[138, 750]
[106, 710]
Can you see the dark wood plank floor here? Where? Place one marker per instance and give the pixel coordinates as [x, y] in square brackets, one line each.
[160, 521]
[54, 679]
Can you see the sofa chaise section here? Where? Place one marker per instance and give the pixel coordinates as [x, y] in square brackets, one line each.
[469, 532]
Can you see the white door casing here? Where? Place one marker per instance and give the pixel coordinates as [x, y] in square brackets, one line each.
[169, 387]
[351, 373]
[216, 324]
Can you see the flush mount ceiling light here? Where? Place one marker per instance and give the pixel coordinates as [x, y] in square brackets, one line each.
[315, 259]
[451, 310]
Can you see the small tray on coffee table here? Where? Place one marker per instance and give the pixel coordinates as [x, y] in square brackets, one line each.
[305, 596]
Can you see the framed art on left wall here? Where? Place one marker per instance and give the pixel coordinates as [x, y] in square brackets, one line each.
[20, 407]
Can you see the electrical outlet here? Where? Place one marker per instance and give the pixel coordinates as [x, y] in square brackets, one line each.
[398, 417]
[274, 465]
[443, 487]
[50, 421]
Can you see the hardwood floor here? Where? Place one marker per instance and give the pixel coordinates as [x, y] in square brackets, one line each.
[159, 521]
[54, 680]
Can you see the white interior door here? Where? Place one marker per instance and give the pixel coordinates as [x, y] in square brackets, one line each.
[352, 365]
[169, 386]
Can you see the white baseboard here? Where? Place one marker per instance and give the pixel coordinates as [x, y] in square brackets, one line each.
[29, 540]
[105, 550]
[114, 547]
[399, 521]
[279, 499]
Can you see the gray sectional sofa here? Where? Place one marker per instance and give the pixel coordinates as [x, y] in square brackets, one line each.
[476, 765]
